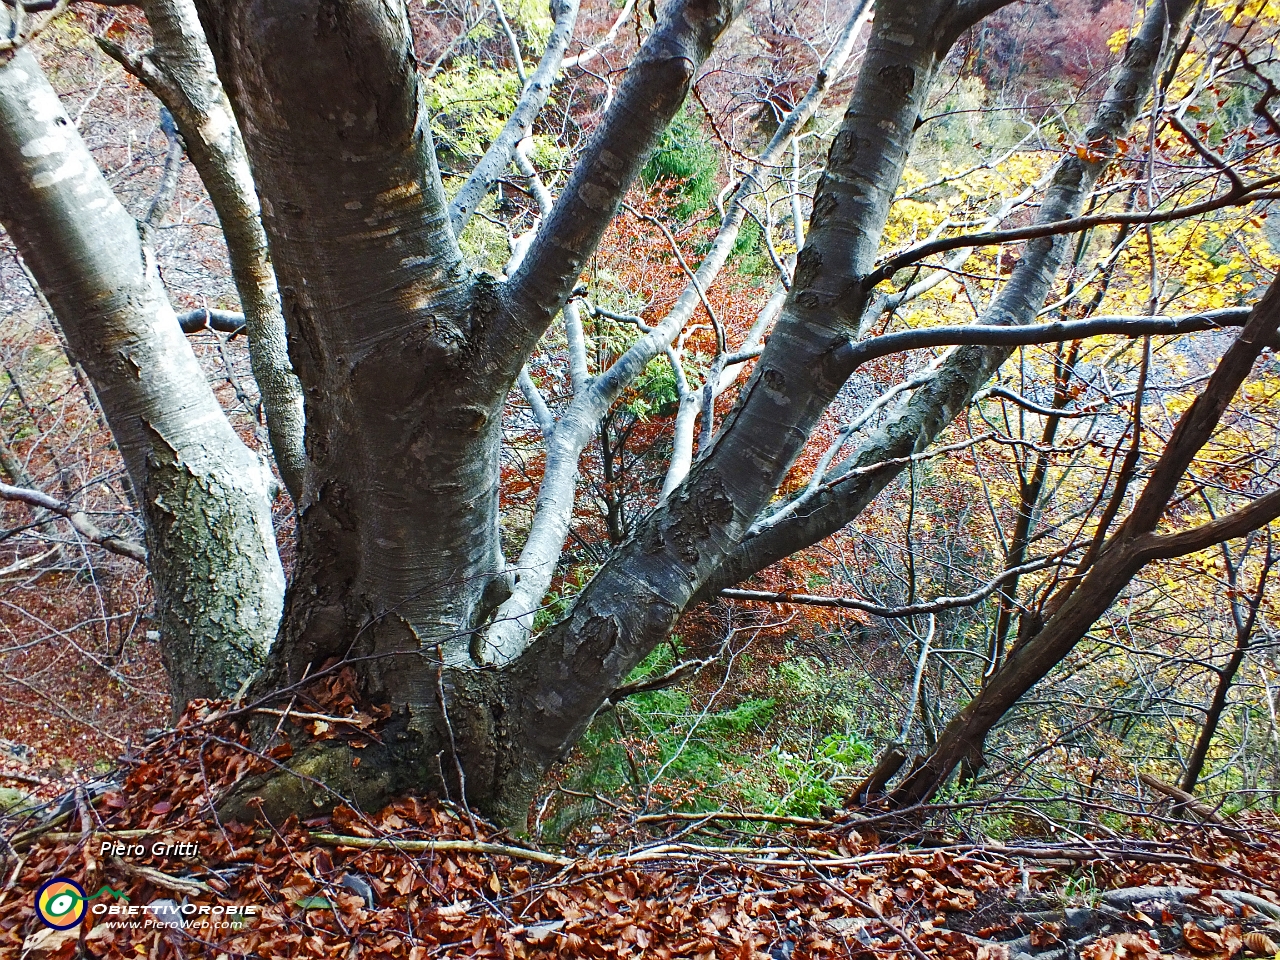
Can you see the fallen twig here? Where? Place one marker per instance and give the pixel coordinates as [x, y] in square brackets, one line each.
[444, 846]
[188, 885]
[729, 815]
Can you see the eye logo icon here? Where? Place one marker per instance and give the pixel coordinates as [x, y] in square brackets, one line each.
[61, 903]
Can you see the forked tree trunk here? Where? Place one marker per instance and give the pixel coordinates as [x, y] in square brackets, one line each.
[406, 358]
[502, 728]
[399, 556]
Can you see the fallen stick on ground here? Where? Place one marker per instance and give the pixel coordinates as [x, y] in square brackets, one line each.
[338, 840]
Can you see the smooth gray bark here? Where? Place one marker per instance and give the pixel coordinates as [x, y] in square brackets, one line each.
[519, 125]
[652, 91]
[210, 542]
[179, 70]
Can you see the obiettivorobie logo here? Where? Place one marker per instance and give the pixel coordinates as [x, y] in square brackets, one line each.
[62, 903]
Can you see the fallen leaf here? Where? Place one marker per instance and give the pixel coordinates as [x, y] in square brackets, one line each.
[1201, 941]
[1260, 945]
[1046, 934]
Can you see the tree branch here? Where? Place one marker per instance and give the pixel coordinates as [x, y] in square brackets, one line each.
[78, 519]
[654, 88]
[532, 99]
[635, 598]
[168, 188]
[1057, 331]
[511, 627]
[915, 425]
[224, 321]
[1257, 513]
[180, 72]
[1258, 190]
[586, 56]
[911, 610]
[1077, 605]
[195, 481]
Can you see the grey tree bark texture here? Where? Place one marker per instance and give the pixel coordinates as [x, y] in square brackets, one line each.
[404, 357]
[217, 576]
[179, 70]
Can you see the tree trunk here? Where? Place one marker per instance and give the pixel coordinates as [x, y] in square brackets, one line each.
[1213, 716]
[206, 507]
[179, 70]
[399, 556]
[375, 521]
[406, 358]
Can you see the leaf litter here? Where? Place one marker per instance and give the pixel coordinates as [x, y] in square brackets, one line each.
[423, 878]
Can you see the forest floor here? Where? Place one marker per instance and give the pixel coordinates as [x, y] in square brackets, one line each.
[421, 879]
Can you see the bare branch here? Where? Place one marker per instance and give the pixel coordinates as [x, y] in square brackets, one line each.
[224, 321]
[1026, 404]
[78, 519]
[180, 72]
[586, 56]
[1212, 158]
[1257, 513]
[168, 188]
[1076, 605]
[1259, 190]
[532, 99]
[937, 605]
[541, 412]
[1059, 330]
[916, 424]
[510, 630]
[652, 91]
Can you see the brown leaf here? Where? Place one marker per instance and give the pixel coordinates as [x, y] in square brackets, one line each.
[1046, 934]
[1201, 941]
[45, 943]
[1123, 946]
[1232, 939]
[1260, 945]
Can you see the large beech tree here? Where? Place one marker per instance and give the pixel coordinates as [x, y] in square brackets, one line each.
[306, 121]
